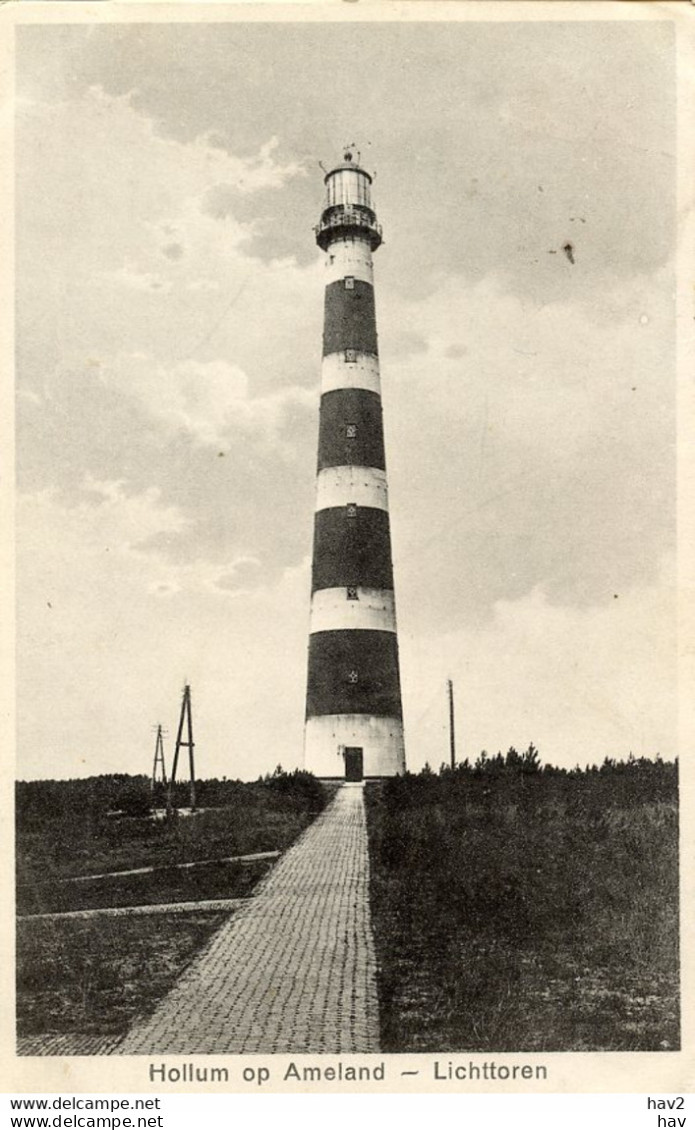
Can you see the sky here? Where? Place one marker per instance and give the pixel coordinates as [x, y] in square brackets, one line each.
[169, 314]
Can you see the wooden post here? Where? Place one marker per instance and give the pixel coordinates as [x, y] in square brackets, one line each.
[452, 736]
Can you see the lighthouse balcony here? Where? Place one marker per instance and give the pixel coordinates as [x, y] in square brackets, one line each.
[337, 223]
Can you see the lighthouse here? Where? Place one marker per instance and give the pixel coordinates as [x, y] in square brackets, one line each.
[354, 721]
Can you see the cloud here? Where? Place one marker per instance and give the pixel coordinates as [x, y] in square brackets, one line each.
[581, 684]
[168, 343]
[131, 277]
[129, 204]
[544, 455]
[262, 174]
[206, 286]
[108, 633]
[407, 344]
[455, 351]
[482, 171]
[224, 458]
[208, 399]
[243, 572]
[124, 223]
[115, 520]
[173, 251]
[128, 628]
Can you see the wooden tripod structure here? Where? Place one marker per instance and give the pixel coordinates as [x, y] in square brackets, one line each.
[159, 759]
[185, 723]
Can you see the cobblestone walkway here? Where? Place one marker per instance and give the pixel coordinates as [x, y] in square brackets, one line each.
[294, 969]
[72, 1043]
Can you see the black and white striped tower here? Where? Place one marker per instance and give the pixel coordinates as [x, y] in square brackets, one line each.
[354, 726]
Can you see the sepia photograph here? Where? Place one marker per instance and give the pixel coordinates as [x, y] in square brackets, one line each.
[347, 559]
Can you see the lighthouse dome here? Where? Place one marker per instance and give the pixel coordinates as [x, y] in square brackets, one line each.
[348, 209]
[348, 184]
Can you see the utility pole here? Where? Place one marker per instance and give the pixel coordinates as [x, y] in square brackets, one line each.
[184, 720]
[452, 736]
[159, 759]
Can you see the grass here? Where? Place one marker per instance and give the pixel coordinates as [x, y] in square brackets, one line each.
[67, 828]
[208, 881]
[94, 976]
[526, 912]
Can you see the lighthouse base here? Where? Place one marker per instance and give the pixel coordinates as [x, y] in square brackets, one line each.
[331, 742]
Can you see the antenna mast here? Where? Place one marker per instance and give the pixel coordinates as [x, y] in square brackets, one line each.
[159, 758]
[187, 721]
[452, 735]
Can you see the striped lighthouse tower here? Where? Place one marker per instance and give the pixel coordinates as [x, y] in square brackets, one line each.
[354, 726]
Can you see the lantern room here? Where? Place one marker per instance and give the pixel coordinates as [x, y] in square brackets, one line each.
[348, 207]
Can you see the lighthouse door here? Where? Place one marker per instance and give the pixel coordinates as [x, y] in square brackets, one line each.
[353, 763]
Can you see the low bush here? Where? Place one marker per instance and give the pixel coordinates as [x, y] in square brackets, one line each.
[519, 908]
[83, 827]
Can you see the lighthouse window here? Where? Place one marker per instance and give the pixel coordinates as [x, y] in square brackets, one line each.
[353, 677]
[352, 592]
[352, 510]
[350, 355]
[351, 431]
[349, 282]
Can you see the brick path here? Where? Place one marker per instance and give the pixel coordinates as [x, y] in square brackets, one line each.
[72, 1043]
[294, 969]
